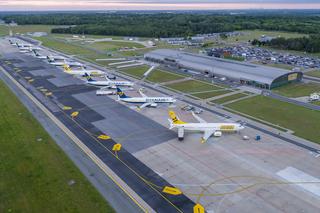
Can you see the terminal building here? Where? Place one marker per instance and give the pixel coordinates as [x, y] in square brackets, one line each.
[244, 73]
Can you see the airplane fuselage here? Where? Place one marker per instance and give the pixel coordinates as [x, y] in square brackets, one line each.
[110, 83]
[83, 72]
[223, 127]
[149, 100]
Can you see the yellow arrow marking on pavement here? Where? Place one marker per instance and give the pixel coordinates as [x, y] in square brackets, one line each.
[74, 114]
[116, 147]
[104, 137]
[171, 190]
[48, 93]
[66, 108]
[198, 208]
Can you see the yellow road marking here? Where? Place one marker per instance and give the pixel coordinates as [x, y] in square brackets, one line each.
[104, 137]
[198, 208]
[66, 108]
[48, 93]
[171, 190]
[74, 114]
[116, 147]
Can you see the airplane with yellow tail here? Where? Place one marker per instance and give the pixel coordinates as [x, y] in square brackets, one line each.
[209, 129]
[82, 72]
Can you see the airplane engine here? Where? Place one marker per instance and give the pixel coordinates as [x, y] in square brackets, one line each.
[154, 105]
[180, 134]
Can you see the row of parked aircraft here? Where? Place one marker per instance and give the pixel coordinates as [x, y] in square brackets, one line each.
[209, 129]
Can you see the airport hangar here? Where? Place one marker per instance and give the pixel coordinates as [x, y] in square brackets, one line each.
[245, 73]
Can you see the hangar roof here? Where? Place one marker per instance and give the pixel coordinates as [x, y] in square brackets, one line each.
[223, 67]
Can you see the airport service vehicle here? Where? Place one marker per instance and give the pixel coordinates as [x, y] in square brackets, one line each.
[209, 129]
[81, 72]
[144, 100]
[108, 83]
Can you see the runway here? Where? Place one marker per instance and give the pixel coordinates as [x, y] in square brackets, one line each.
[89, 124]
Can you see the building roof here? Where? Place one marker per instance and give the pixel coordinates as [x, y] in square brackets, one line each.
[223, 67]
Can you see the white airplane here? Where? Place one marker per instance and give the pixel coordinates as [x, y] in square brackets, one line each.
[51, 58]
[37, 55]
[15, 43]
[145, 100]
[81, 72]
[69, 64]
[209, 129]
[108, 83]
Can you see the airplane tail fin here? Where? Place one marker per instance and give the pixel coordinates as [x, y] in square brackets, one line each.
[174, 118]
[88, 77]
[35, 52]
[121, 94]
[66, 68]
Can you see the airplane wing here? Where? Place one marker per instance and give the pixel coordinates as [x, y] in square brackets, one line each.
[145, 105]
[141, 93]
[207, 135]
[198, 118]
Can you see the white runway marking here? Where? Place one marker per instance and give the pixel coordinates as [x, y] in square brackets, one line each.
[294, 175]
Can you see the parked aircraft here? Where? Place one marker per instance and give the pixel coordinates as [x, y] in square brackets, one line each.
[81, 72]
[65, 62]
[209, 129]
[107, 83]
[144, 100]
[50, 58]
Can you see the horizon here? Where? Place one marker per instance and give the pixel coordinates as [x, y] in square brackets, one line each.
[145, 5]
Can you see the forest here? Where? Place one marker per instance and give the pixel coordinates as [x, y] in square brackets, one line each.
[309, 44]
[166, 24]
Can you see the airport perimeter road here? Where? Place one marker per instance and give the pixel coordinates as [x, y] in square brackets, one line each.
[52, 89]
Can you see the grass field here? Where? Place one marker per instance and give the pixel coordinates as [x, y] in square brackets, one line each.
[303, 121]
[314, 73]
[160, 76]
[297, 89]
[193, 86]
[136, 71]
[71, 49]
[206, 95]
[316, 103]
[229, 98]
[35, 173]
[114, 45]
[281, 66]
[4, 30]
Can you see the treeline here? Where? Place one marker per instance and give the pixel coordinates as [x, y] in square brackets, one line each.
[309, 44]
[165, 24]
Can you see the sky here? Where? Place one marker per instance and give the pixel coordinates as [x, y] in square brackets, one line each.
[33, 5]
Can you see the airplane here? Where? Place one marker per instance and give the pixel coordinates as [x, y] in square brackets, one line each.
[12, 43]
[145, 100]
[24, 45]
[108, 83]
[37, 55]
[209, 129]
[82, 72]
[67, 63]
